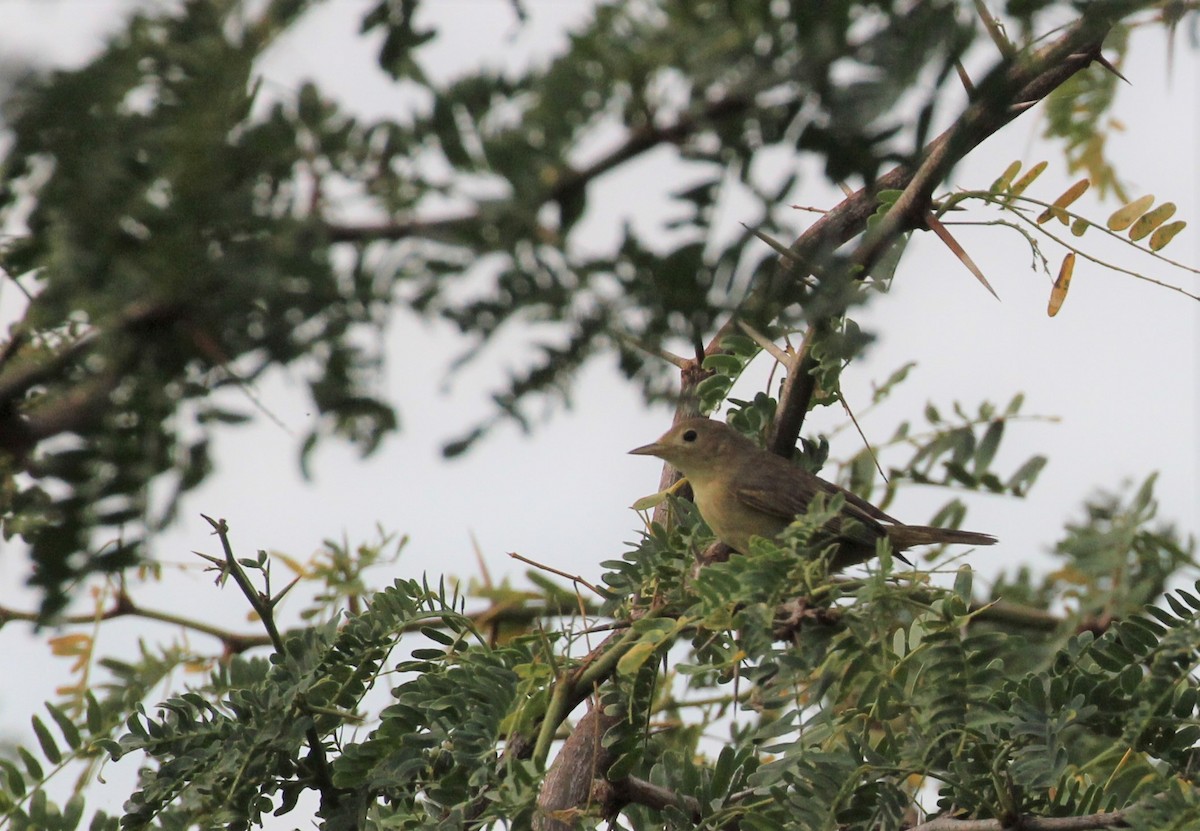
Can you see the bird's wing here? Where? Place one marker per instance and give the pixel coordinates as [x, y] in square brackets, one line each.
[856, 506]
[772, 485]
[781, 489]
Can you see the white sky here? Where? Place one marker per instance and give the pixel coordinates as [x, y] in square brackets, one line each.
[1118, 365]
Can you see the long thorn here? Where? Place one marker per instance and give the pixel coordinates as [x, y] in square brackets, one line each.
[945, 236]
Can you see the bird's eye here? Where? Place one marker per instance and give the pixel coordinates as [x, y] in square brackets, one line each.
[689, 435]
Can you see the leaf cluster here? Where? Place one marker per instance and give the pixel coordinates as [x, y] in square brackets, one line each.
[164, 260]
[853, 702]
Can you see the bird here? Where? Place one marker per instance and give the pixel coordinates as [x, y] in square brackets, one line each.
[743, 491]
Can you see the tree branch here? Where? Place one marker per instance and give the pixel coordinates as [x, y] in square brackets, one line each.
[640, 792]
[395, 231]
[647, 138]
[1007, 92]
[568, 786]
[124, 606]
[83, 402]
[1111, 819]
[568, 182]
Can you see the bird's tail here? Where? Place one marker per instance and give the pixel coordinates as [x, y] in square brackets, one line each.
[903, 536]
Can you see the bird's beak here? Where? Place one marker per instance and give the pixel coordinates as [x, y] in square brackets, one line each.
[654, 449]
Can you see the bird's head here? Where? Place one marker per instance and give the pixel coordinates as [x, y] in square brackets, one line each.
[697, 447]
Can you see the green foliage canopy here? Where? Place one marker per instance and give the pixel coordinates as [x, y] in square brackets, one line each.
[180, 237]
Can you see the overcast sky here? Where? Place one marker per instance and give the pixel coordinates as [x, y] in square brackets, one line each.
[1117, 366]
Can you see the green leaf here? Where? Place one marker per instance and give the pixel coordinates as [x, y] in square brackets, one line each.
[712, 391]
[49, 748]
[962, 583]
[960, 474]
[986, 449]
[720, 362]
[1021, 481]
[112, 748]
[1163, 616]
[1185, 738]
[897, 377]
[1177, 607]
[740, 345]
[438, 636]
[95, 714]
[428, 654]
[39, 809]
[1110, 655]
[635, 657]
[1139, 640]
[69, 730]
[1189, 598]
[1185, 702]
[72, 812]
[650, 502]
[31, 764]
[13, 777]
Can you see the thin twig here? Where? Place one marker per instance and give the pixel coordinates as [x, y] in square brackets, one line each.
[569, 182]
[261, 605]
[265, 609]
[574, 578]
[862, 435]
[994, 31]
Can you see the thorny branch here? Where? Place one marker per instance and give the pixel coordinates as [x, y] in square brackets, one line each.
[1004, 94]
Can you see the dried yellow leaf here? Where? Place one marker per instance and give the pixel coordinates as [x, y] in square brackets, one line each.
[293, 565]
[1149, 221]
[1072, 193]
[73, 645]
[1079, 226]
[1025, 181]
[1059, 293]
[1059, 209]
[1165, 234]
[1053, 213]
[1002, 183]
[1123, 217]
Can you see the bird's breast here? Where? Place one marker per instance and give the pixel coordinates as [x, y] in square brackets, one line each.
[731, 520]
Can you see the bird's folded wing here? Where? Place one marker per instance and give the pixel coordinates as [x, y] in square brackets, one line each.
[785, 492]
[856, 506]
[769, 502]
